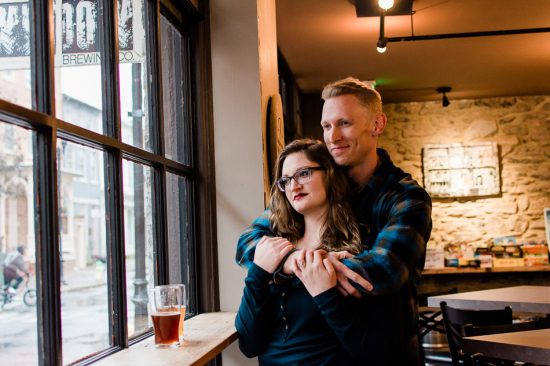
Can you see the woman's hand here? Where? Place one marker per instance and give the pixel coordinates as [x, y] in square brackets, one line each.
[270, 251]
[342, 254]
[315, 271]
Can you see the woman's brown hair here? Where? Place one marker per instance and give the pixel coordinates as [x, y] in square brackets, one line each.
[340, 227]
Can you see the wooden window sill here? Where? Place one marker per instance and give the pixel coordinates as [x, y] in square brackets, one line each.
[206, 335]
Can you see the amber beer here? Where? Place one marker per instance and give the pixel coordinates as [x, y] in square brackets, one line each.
[182, 317]
[165, 312]
[167, 328]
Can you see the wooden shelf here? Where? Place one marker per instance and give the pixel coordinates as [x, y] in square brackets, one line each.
[206, 335]
[466, 270]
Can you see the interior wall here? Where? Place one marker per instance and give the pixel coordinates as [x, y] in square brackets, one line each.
[244, 76]
[521, 128]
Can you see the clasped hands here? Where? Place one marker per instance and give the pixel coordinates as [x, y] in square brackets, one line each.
[317, 269]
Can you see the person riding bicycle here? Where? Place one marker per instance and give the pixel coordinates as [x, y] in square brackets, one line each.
[14, 267]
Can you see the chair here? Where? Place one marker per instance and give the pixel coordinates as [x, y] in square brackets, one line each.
[431, 331]
[430, 319]
[455, 321]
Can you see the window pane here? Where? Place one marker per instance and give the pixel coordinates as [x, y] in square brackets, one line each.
[133, 75]
[18, 335]
[179, 228]
[15, 51]
[77, 63]
[138, 233]
[84, 306]
[175, 103]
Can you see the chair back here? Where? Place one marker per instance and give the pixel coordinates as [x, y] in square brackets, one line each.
[431, 331]
[455, 321]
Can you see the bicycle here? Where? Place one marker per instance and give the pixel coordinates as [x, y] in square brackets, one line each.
[29, 295]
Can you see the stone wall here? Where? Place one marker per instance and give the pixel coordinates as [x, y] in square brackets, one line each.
[521, 128]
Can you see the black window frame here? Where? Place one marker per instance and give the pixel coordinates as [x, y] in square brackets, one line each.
[47, 128]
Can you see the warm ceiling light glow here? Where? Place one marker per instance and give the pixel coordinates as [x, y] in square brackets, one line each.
[385, 4]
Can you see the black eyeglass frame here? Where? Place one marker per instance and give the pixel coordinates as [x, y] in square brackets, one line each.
[288, 179]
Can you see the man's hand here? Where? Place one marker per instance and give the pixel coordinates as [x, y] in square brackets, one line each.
[315, 271]
[344, 275]
[270, 251]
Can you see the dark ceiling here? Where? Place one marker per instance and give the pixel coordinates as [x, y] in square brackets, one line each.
[324, 40]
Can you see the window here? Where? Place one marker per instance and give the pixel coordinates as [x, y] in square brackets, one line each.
[18, 318]
[176, 119]
[15, 52]
[138, 233]
[99, 168]
[82, 248]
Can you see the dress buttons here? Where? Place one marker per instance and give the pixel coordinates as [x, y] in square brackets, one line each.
[286, 327]
[282, 307]
[284, 318]
[283, 294]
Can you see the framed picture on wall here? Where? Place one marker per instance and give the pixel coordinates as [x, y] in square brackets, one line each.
[461, 170]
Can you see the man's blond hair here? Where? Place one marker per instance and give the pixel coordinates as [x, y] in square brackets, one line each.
[366, 95]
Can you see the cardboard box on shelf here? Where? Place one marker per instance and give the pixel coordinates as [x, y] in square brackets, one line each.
[535, 261]
[508, 262]
[435, 258]
[535, 254]
[485, 260]
[468, 262]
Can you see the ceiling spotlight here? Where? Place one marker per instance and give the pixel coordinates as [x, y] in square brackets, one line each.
[444, 90]
[385, 4]
[381, 46]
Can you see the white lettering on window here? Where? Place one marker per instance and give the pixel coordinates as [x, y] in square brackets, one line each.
[85, 25]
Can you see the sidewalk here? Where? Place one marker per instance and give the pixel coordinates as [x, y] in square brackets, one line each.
[75, 279]
[83, 278]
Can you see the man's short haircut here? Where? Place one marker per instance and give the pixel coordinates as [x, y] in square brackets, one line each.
[21, 249]
[366, 95]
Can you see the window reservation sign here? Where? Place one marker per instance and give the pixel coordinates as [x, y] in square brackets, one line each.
[77, 33]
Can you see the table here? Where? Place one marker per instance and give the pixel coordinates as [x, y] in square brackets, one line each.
[525, 299]
[528, 346]
[206, 335]
[476, 279]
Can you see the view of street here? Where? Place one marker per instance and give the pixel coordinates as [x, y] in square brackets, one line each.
[85, 323]
[18, 333]
[84, 318]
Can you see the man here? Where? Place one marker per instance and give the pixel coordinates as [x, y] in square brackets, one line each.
[14, 267]
[394, 209]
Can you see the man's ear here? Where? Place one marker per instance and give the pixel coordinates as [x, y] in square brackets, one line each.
[380, 121]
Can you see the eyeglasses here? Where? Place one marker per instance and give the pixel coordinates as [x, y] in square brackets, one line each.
[302, 176]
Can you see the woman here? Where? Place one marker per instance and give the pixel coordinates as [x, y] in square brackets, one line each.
[305, 320]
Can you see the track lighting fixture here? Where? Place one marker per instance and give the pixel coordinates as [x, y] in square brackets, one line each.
[383, 8]
[381, 46]
[444, 90]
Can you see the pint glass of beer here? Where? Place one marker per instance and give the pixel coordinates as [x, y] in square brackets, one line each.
[166, 313]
